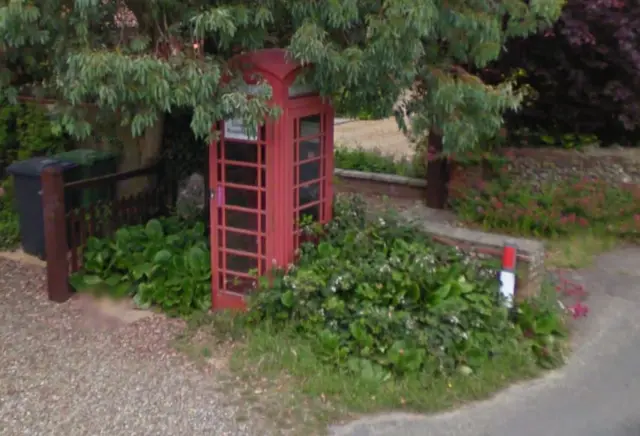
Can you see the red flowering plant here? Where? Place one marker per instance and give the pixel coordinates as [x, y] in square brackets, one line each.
[550, 209]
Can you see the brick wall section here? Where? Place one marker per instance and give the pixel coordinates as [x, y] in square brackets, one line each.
[358, 182]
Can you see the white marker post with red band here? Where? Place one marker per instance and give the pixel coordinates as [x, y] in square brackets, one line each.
[508, 273]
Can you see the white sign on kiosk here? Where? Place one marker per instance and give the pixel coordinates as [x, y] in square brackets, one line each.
[296, 90]
[234, 128]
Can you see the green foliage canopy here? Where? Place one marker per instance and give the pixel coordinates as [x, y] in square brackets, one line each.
[83, 51]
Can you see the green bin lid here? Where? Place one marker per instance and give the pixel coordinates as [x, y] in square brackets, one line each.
[85, 156]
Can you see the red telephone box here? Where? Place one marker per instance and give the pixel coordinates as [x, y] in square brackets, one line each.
[263, 186]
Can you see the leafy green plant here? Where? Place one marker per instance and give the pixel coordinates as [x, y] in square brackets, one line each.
[380, 299]
[8, 136]
[164, 264]
[542, 323]
[37, 135]
[26, 130]
[9, 220]
[525, 137]
[375, 161]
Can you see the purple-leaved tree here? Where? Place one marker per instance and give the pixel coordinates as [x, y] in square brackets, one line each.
[586, 71]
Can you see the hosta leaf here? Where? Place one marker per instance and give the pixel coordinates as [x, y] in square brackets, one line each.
[154, 229]
[162, 257]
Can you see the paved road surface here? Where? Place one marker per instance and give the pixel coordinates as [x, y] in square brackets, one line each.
[596, 394]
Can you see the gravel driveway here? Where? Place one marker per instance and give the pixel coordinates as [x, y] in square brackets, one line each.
[65, 371]
[382, 135]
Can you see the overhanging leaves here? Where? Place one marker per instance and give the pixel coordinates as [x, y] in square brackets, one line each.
[175, 54]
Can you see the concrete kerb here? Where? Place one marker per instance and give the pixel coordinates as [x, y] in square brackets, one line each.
[377, 177]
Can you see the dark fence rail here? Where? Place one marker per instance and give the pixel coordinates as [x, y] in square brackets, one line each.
[67, 231]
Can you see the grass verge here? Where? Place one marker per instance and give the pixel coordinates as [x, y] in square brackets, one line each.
[579, 250]
[278, 375]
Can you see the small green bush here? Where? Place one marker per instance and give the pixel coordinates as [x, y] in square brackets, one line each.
[165, 263]
[380, 298]
[9, 220]
[374, 161]
[37, 134]
[536, 138]
[26, 130]
[8, 136]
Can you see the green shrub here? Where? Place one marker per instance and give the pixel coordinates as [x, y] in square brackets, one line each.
[36, 134]
[26, 130]
[8, 136]
[537, 138]
[9, 220]
[164, 263]
[554, 209]
[380, 298]
[541, 323]
[374, 161]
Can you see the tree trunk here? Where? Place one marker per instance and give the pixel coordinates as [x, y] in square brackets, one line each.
[437, 173]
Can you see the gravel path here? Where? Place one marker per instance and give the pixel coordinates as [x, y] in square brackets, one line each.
[66, 371]
[382, 135]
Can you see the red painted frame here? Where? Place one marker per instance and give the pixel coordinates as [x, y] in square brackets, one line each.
[281, 235]
[221, 229]
[298, 111]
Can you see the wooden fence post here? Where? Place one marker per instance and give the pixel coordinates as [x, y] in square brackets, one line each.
[55, 234]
